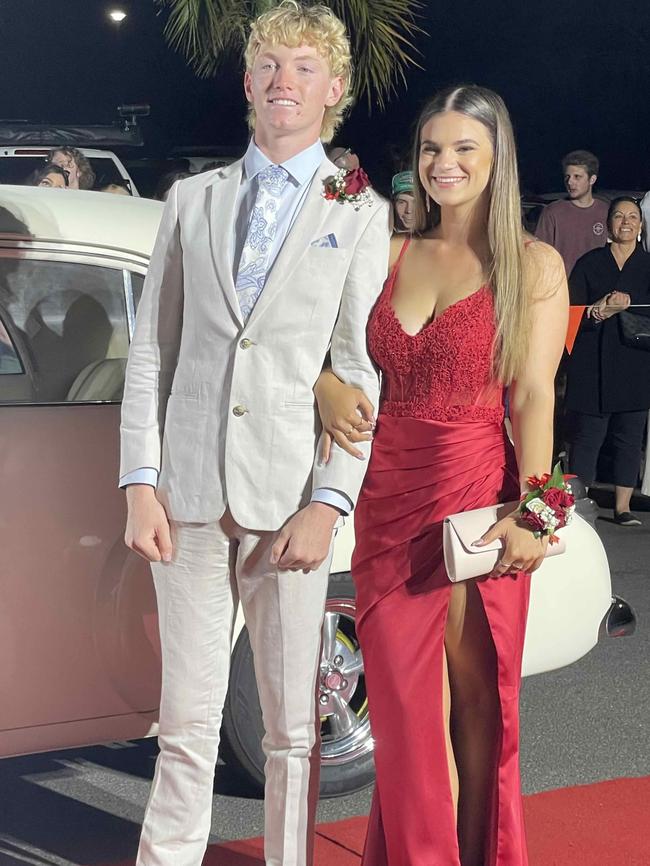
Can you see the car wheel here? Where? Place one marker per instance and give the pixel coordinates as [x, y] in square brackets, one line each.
[346, 741]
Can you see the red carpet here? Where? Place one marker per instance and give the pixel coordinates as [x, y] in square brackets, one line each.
[604, 824]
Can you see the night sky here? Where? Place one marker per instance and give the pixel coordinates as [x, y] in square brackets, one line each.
[573, 73]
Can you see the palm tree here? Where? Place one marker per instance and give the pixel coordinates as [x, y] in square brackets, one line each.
[381, 32]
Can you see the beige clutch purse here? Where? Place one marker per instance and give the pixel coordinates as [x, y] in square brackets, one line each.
[464, 561]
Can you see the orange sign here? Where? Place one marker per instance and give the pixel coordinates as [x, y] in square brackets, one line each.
[575, 317]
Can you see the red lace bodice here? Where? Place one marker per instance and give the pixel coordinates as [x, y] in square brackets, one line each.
[444, 372]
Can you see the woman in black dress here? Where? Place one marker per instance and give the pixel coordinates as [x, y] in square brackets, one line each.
[608, 385]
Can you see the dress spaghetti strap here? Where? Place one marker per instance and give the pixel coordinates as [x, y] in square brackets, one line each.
[405, 246]
[392, 274]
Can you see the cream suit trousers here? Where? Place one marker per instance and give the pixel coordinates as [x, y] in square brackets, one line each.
[213, 563]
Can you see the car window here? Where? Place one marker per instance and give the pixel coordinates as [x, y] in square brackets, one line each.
[9, 360]
[532, 214]
[137, 282]
[69, 326]
[105, 172]
[19, 169]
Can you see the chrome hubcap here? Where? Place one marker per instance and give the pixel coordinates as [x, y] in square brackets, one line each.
[345, 728]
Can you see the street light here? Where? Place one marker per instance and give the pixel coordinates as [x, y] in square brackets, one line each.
[117, 15]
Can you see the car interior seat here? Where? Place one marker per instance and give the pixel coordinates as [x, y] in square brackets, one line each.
[99, 381]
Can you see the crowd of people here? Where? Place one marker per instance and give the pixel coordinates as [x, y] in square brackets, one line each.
[604, 383]
[66, 167]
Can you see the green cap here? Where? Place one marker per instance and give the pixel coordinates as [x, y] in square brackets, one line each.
[402, 182]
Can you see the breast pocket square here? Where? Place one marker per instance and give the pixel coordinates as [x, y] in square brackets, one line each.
[326, 241]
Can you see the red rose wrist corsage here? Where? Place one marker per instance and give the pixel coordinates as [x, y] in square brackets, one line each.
[548, 505]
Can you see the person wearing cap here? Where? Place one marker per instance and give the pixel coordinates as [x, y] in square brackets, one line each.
[402, 198]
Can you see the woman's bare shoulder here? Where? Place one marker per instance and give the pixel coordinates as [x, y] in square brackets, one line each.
[544, 268]
[396, 243]
[542, 253]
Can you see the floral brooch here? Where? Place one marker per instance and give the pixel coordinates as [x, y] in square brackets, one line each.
[348, 186]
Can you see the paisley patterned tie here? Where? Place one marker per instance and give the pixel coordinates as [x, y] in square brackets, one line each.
[263, 224]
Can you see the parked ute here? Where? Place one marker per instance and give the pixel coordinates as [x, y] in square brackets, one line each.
[79, 648]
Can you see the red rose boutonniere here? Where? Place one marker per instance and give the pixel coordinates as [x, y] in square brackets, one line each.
[351, 186]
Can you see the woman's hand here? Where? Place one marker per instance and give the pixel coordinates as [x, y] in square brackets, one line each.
[596, 310]
[609, 305]
[521, 550]
[346, 414]
[616, 302]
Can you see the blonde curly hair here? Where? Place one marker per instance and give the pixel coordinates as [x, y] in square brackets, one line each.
[293, 24]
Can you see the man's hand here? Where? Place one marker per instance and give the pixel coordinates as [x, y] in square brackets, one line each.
[147, 527]
[304, 540]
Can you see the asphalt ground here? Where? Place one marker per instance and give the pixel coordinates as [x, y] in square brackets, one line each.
[581, 724]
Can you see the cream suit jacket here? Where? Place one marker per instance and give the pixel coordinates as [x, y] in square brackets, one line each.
[225, 410]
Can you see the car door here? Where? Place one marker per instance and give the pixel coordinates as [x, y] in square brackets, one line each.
[78, 630]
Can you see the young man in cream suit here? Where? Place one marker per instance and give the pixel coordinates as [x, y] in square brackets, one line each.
[255, 276]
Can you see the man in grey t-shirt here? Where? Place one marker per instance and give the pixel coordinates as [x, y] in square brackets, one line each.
[578, 223]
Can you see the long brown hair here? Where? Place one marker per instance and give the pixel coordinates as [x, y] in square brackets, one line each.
[506, 268]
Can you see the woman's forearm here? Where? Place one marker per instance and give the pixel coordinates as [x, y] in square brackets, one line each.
[531, 414]
[327, 378]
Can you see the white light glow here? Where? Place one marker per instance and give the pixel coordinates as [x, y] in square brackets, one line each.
[117, 15]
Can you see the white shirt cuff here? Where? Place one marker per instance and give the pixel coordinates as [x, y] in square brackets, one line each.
[146, 475]
[332, 497]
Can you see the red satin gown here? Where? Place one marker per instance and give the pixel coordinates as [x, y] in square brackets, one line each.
[440, 447]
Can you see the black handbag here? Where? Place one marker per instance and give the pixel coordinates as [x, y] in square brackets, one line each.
[635, 330]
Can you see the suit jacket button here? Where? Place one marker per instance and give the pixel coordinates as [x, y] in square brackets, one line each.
[238, 411]
[245, 343]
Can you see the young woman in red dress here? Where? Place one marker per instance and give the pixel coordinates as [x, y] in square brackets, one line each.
[470, 306]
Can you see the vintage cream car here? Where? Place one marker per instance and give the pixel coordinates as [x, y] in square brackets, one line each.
[79, 651]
